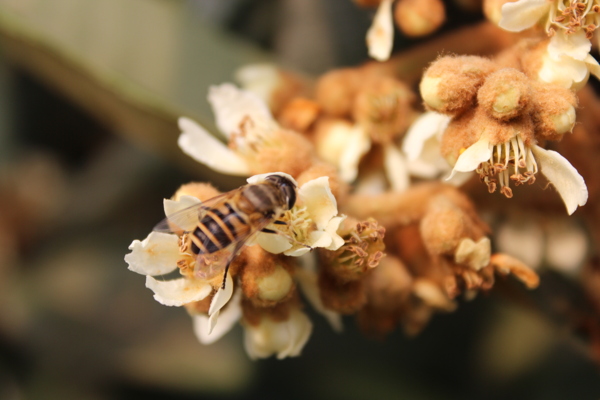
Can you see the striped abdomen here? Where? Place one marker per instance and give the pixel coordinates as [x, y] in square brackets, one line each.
[220, 227]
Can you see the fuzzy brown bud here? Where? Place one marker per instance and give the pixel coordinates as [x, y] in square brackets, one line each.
[419, 17]
[505, 94]
[450, 84]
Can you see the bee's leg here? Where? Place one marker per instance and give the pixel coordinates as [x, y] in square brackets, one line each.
[266, 230]
[279, 222]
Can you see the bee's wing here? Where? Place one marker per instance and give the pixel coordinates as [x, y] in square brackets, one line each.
[187, 219]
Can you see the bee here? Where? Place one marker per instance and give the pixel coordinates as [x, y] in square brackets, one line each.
[216, 230]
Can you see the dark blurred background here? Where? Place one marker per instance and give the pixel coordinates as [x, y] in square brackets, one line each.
[89, 95]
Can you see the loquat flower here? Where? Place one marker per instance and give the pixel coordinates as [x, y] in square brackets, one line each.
[256, 142]
[570, 25]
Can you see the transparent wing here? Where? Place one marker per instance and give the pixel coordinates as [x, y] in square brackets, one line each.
[187, 219]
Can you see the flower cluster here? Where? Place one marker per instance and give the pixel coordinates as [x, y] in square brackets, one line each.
[361, 237]
[499, 116]
[570, 24]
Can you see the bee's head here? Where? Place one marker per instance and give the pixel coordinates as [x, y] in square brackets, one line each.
[287, 187]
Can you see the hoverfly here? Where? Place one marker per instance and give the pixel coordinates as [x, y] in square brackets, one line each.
[217, 229]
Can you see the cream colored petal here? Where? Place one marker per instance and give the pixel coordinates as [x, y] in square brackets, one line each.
[319, 239]
[592, 65]
[178, 292]
[307, 279]
[460, 178]
[358, 144]
[284, 338]
[228, 317]
[523, 238]
[320, 203]
[566, 246]
[470, 159]
[336, 240]
[273, 243]
[156, 255]
[396, 168]
[261, 177]
[260, 79]
[219, 300]
[567, 72]
[199, 144]
[523, 14]
[173, 206]
[380, 36]
[474, 254]
[576, 46]
[427, 126]
[232, 105]
[563, 176]
[297, 251]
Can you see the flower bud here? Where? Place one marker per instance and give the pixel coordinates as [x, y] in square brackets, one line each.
[419, 17]
[554, 110]
[336, 91]
[504, 94]
[450, 84]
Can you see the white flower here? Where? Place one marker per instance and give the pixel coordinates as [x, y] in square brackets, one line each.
[159, 254]
[380, 36]
[312, 222]
[492, 161]
[283, 338]
[245, 121]
[343, 145]
[567, 61]
[422, 145]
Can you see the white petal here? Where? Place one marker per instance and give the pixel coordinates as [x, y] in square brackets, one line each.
[592, 65]
[470, 159]
[576, 46]
[156, 255]
[203, 147]
[284, 338]
[307, 280]
[232, 105]
[261, 177]
[178, 292]
[380, 37]
[474, 254]
[522, 14]
[563, 176]
[336, 240]
[396, 168]
[173, 206]
[358, 144]
[428, 125]
[565, 72]
[260, 79]
[229, 316]
[219, 300]
[273, 243]
[320, 239]
[320, 203]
